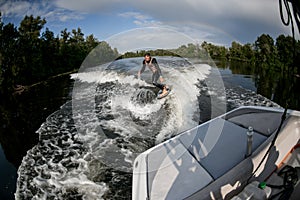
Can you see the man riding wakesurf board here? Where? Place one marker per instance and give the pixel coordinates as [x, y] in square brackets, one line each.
[152, 64]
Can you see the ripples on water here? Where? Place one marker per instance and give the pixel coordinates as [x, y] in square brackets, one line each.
[86, 149]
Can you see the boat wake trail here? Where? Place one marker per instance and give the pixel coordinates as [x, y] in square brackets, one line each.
[87, 148]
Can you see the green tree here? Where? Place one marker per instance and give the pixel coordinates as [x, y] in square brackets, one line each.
[64, 50]
[1, 56]
[77, 52]
[50, 53]
[65, 35]
[73, 49]
[102, 54]
[297, 59]
[28, 55]
[30, 48]
[77, 36]
[90, 43]
[247, 52]
[8, 56]
[265, 50]
[235, 50]
[285, 50]
[206, 48]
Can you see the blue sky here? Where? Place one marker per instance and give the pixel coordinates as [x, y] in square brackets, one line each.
[216, 21]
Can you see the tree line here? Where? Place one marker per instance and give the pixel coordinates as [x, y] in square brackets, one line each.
[32, 53]
[282, 54]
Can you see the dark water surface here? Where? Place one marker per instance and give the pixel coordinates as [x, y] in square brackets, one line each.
[20, 117]
[23, 115]
[273, 84]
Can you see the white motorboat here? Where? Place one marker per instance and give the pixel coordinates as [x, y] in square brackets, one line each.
[216, 159]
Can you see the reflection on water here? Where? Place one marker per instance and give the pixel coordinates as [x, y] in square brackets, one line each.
[271, 83]
[20, 117]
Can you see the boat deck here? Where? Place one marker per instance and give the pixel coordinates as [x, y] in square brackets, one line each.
[182, 166]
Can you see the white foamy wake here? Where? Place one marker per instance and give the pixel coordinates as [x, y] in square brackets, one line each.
[86, 147]
[88, 144]
[110, 123]
[183, 111]
[185, 108]
[56, 168]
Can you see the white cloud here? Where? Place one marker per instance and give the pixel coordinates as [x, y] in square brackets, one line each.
[44, 9]
[141, 20]
[95, 6]
[202, 32]
[244, 20]
[62, 16]
[148, 38]
[135, 15]
[199, 32]
[14, 9]
[241, 20]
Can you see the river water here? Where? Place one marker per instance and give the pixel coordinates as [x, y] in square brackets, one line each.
[83, 136]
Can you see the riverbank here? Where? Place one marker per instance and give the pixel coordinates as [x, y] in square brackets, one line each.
[18, 89]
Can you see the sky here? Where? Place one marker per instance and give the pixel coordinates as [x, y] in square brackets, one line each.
[216, 21]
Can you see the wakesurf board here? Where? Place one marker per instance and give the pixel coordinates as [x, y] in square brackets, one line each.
[160, 95]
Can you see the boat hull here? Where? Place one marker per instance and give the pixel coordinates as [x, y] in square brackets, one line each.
[208, 161]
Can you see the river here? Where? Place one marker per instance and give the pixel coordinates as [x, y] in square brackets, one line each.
[63, 150]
